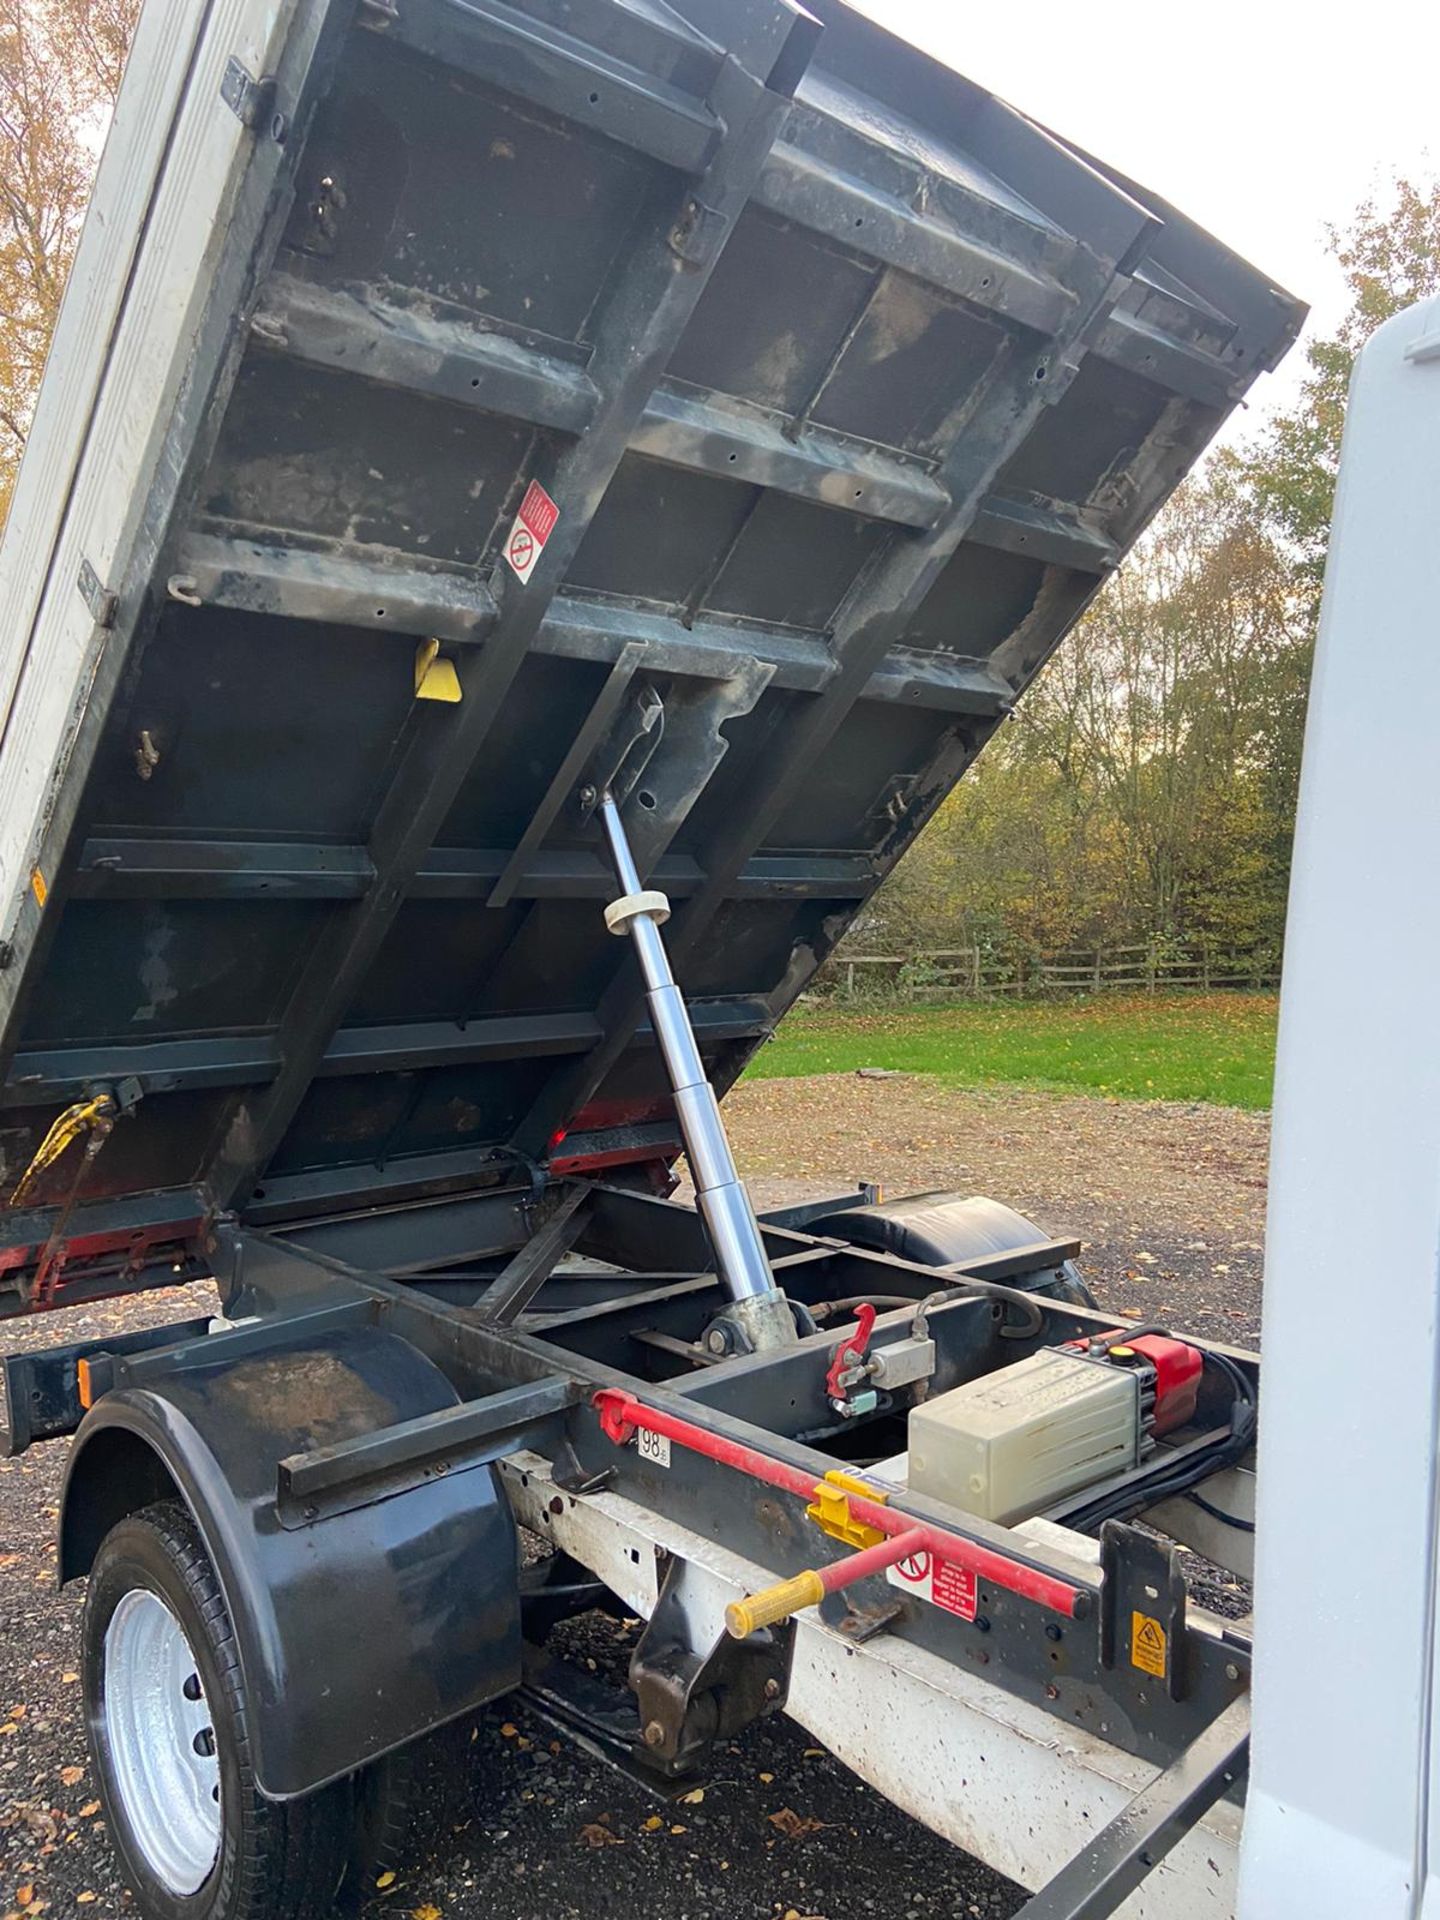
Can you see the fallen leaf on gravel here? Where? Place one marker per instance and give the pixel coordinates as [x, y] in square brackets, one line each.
[89, 1810]
[509, 1730]
[595, 1835]
[679, 1829]
[35, 1819]
[654, 1823]
[814, 1753]
[9, 1727]
[692, 1799]
[387, 1879]
[85, 1898]
[69, 1678]
[791, 1914]
[766, 1778]
[425, 1913]
[25, 1896]
[71, 1775]
[794, 1826]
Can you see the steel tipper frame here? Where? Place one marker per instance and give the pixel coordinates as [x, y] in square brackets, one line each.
[1054, 348]
[843, 387]
[1043, 1703]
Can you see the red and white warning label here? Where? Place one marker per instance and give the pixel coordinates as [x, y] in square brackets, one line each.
[941, 1582]
[532, 527]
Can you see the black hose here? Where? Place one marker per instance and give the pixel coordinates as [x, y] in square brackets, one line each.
[1227, 1519]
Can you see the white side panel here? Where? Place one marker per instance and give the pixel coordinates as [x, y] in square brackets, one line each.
[1008, 1783]
[149, 251]
[134, 153]
[1345, 1575]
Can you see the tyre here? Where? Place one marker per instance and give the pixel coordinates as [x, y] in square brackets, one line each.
[166, 1716]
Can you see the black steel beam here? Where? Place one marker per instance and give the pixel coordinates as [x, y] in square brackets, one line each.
[50, 1075]
[526, 1272]
[343, 588]
[1043, 533]
[42, 1391]
[1127, 341]
[564, 73]
[868, 220]
[1123, 1855]
[711, 433]
[579, 628]
[561, 789]
[370, 1467]
[678, 238]
[122, 868]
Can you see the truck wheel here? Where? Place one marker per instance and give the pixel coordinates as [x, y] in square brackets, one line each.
[166, 1714]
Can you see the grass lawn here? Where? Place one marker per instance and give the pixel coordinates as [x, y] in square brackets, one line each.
[1218, 1046]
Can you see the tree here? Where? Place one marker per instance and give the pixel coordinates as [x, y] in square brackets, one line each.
[1147, 785]
[1390, 255]
[60, 68]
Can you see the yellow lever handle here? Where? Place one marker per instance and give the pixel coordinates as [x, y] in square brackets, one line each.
[764, 1609]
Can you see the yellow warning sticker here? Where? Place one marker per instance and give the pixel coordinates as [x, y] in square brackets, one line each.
[1147, 1645]
[38, 887]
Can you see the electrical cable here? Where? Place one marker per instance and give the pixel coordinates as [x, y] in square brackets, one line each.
[1151, 1485]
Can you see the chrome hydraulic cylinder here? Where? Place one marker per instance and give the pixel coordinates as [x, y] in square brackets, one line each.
[720, 1195]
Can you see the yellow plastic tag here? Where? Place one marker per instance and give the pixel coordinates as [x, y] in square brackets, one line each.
[435, 678]
[831, 1509]
[38, 887]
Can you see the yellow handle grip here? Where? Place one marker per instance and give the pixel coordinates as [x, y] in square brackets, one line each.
[743, 1617]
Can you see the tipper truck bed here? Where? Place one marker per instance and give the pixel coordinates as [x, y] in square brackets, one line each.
[532, 504]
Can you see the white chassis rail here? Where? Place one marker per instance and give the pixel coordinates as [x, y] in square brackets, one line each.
[1005, 1782]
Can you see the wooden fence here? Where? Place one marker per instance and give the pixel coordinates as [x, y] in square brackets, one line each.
[937, 974]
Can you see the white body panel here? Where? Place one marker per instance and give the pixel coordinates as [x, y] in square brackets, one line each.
[1004, 1781]
[124, 347]
[1341, 1816]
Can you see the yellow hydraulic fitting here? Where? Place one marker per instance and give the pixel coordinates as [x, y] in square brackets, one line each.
[93, 1115]
[773, 1604]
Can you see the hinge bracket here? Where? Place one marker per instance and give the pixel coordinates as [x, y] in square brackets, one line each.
[251, 101]
[100, 600]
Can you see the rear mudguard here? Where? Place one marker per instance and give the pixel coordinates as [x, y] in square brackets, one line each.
[358, 1631]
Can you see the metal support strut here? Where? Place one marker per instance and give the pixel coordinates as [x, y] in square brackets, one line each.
[761, 1309]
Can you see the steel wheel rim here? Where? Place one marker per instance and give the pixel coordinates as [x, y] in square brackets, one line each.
[160, 1739]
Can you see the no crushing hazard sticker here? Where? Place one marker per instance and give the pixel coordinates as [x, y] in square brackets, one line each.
[530, 529]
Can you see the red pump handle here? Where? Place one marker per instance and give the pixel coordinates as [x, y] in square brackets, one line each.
[850, 1352]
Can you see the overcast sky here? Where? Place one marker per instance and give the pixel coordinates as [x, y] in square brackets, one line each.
[1263, 119]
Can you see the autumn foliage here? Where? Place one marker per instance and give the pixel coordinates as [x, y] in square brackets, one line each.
[60, 68]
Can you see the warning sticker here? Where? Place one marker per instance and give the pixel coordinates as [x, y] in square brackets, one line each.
[1147, 1645]
[532, 527]
[941, 1582]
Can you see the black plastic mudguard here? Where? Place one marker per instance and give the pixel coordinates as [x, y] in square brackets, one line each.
[360, 1631]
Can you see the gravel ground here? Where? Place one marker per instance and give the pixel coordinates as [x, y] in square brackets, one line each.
[1170, 1202]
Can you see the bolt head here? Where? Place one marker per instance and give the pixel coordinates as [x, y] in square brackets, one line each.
[772, 1689]
[654, 1734]
[1232, 1672]
[715, 1340]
